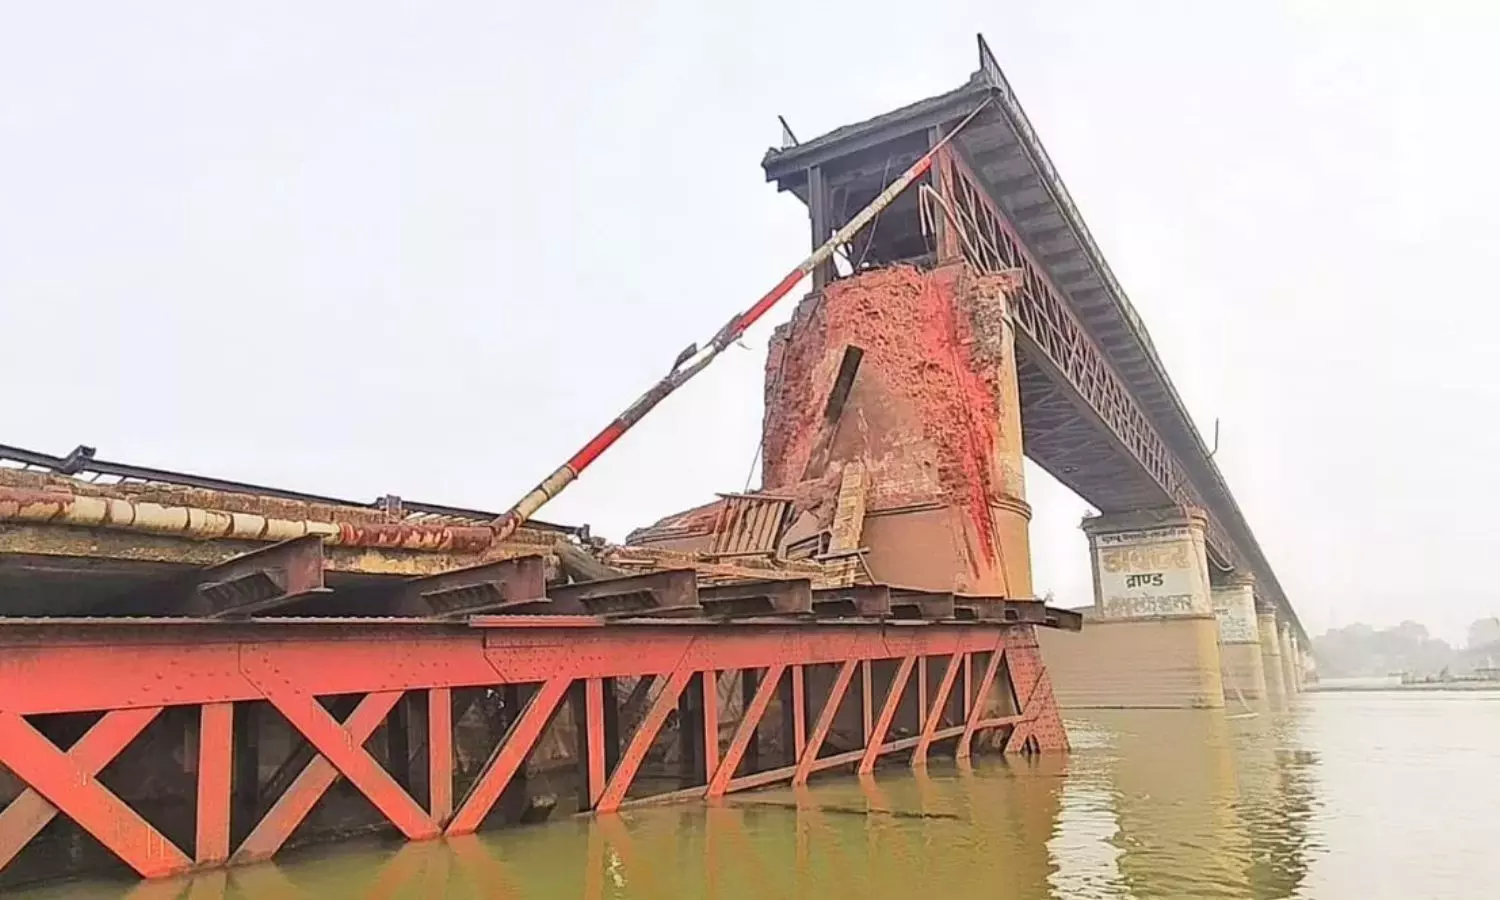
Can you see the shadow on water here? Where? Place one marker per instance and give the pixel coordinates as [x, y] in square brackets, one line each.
[1168, 804]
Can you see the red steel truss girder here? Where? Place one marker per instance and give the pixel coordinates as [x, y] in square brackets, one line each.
[509, 755]
[190, 666]
[974, 710]
[830, 709]
[293, 669]
[935, 713]
[30, 812]
[315, 778]
[75, 791]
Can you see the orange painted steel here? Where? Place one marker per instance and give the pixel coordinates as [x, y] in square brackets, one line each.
[935, 713]
[755, 710]
[440, 753]
[799, 712]
[876, 739]
[311, 783]
[594, 724]
[130, 673]
[710, 720]
[975, 709]
[351, 759]
[30, 812]
[645, 733]
[79, 795]
[509, 756]
[808, 756]
[215, 780]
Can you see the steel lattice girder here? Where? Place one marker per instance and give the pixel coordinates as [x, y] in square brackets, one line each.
[131, 674]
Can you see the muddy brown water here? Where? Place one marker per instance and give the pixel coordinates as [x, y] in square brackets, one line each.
[1367, 795]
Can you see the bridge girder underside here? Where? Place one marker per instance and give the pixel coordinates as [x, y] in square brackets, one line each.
[1059, 436]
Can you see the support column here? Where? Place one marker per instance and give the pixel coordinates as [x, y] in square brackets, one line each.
[1152, 639]
[1289, 660]
[1240, 660]
[1305, 666]
[818, 213]
[1299, 663]
[1270, 654]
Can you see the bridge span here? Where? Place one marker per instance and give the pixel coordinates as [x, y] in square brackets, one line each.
[1098, 408]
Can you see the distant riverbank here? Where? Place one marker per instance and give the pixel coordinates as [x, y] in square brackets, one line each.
[1417, 686]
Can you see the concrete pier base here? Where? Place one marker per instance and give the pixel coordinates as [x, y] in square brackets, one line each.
[1244, 672]
[1290, 675]
[1240, 660]
[1153, 662]
[1152, 638]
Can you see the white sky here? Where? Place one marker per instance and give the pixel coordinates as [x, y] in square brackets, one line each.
[429, 249]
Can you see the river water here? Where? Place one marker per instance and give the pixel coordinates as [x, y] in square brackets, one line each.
[1353, 795]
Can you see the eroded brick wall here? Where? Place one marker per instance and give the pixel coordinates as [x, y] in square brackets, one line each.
[933, 414]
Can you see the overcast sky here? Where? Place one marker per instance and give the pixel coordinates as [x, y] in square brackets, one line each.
[428, 249]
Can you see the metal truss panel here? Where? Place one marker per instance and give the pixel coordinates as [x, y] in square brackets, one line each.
[1053, 339]
[296, 673]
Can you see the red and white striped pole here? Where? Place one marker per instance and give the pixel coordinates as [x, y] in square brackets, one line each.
[694, 360]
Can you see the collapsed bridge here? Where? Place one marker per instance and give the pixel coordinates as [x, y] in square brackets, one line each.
[195, 672]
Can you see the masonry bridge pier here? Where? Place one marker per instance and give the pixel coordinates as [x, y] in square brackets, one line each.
[197, 673]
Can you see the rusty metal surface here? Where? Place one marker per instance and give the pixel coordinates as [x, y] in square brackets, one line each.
[82, 463]
[508, 584]
[671, 591]
[428, 538]
[55, 507]
[14, 626]
[855, 600]
[26, 628]
[1064, 619]
[978, 609]
[933, 605]
[86, 548]
[259, 580]
[544, 621]
[784, 597]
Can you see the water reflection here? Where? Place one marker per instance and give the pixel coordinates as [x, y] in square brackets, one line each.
[1149, 805]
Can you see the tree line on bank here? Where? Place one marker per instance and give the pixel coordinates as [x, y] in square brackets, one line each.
[1361, 650]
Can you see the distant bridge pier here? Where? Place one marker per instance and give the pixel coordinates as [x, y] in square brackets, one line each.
[1152, 637]
[1240, 659]
[1291, 659]
[1270, 654]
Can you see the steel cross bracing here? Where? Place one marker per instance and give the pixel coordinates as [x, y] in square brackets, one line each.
[896, 690]
[1239, 550]
[1052, 336]
[1056, 351]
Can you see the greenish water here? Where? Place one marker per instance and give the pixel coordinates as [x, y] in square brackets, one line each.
[1363, 795]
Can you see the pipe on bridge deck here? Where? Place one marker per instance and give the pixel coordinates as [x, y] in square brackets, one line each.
[24, 505]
